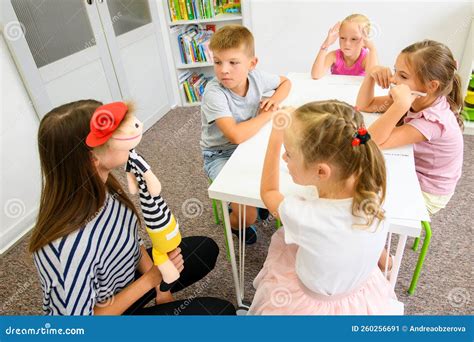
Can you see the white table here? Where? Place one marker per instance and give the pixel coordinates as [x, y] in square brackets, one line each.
[239, 180]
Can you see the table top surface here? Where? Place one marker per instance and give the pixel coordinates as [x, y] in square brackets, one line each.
[239, 180]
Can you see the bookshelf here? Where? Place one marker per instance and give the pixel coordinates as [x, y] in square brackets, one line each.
[177, 28]
[182, 66]
[218, 18]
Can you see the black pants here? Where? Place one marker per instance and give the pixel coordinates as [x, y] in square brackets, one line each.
[199, 255]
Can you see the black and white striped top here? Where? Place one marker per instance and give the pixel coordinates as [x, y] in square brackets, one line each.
[91, 264]
[156, 212]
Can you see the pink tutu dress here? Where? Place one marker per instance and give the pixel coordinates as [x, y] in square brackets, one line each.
[280, 292]
[339, 263]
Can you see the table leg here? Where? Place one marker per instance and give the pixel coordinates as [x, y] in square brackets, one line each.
[387, 259]
[242, 240]
[397, 259]
[238, 276]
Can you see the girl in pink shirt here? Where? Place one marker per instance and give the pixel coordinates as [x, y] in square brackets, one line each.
[356, 54]
[422, 108]
[425, 91]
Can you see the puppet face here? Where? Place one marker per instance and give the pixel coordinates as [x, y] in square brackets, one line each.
[128, 135]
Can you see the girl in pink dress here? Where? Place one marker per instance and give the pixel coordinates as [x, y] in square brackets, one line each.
[425, 91]
[356, 54]
[323, 261]
[426, 97]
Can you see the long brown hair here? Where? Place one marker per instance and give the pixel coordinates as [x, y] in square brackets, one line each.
[434, 61]
[326, 133]
[72, 191]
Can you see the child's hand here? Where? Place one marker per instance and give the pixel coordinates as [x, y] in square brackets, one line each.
[333, 35]
[365, 37]
[381, 75]
[402, 96]
[269, 104]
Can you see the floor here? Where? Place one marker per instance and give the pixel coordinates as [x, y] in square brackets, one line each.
[172, 149]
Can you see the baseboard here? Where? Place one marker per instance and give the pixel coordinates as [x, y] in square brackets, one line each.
[14, 234]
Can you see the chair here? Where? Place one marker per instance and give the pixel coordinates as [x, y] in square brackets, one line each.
[216, 205]
[421, 258]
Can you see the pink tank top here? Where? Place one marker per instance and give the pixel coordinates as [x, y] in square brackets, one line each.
[339, 68]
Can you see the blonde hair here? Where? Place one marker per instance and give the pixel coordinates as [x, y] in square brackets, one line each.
[359, 19]
[325, 134]
[233, 37]
[434, 61]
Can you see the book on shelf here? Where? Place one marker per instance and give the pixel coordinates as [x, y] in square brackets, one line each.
[193, 44]
[211, 27]
[193, 85]
[201, 9]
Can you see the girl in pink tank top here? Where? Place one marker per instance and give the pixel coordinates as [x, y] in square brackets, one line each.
[356, 53]
[357, 69]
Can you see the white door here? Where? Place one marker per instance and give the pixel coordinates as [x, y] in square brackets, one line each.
[109, 50]
[61, 51]
[137, 51]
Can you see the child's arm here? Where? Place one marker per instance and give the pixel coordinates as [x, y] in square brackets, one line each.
[324, 59]
[366, 101]
[281, 92]
[270, 184]
[240, 132]
[401, 136]
[323, 62]
[384, 131]
[371, 60]
[237, 133]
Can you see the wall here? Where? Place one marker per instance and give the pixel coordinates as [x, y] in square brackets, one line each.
[288, 34]
[20, 179]
[20, 171]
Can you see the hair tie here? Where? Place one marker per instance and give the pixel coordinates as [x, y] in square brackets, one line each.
[361, 136]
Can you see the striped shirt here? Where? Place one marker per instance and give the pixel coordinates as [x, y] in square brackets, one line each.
[156, 213]
[91, 264]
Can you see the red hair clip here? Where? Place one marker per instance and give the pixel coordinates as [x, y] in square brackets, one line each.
[355, 142]
[360, 137]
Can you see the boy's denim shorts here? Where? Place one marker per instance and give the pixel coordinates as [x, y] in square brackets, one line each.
[214, 161]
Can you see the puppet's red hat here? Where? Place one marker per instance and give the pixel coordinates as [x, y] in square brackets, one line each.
[104, 122]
